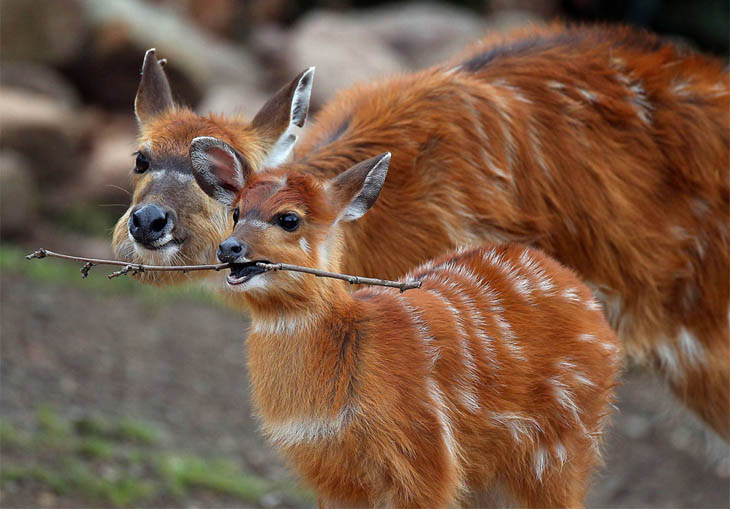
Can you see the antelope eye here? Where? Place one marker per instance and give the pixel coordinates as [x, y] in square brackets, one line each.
[288, 221]
[142, 164]
[236, 212]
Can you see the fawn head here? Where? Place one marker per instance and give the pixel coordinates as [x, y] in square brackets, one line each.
[291, 218]
[171, 220]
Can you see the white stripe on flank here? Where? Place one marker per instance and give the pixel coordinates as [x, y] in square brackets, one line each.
[520, 426]
[593, 305]
[541, 460]
[507, 336]
[475, 315]
[470, 379]
[521, 284]
[533, 267]
[588, 96]
[564, 397]
[555, 85]
[422, 328]
[518, 95]
[579, 376]
[571, 294]
[537, 151]
[439, 406]
[510, 148]
[561, 453]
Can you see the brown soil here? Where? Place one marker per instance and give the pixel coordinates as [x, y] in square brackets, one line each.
[181, 364]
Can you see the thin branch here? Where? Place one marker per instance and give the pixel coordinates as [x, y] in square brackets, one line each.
[353, 280]
[137, 268]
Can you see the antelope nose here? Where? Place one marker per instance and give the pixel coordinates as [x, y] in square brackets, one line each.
[149, 223]
[231, 249]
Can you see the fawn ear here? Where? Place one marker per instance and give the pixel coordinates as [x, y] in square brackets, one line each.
[153, 95]
[356, 190]
[219, 169]
[278, 117]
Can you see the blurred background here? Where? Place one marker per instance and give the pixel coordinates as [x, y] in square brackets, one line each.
[113, 394]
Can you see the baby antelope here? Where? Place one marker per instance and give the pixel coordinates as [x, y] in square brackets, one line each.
[497, 374]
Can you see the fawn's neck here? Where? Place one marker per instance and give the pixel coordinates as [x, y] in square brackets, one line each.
[302, 351]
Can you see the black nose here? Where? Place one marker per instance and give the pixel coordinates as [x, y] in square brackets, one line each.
[149, 223]
[230, 249]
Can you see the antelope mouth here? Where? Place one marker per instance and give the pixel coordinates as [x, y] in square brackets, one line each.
[242, 272]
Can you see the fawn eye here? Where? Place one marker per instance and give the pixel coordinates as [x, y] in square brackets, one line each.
[288, 221]
[141, 164]
[236, 212]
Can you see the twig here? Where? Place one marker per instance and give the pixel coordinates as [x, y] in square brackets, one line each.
[137, 268]
[353, 280]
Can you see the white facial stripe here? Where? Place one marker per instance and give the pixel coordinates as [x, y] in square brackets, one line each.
[255, 223]
[165, 175]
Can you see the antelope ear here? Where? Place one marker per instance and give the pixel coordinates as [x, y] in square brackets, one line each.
[153, 95]
[219, 169]
[357, 189]
[278, 117]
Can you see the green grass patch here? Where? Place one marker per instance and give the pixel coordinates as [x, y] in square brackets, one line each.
[35, 474]
[95, 447]
[136, 431]
[10, 436]
[123, 491]
[222, 476]
[121, 462]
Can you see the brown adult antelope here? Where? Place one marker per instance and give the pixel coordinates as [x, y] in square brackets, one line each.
[605, 147]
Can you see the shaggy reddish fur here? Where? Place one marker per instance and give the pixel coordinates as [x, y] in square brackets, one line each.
[604, 147]
[497, 372]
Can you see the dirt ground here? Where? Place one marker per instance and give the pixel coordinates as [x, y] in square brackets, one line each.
[180, 363]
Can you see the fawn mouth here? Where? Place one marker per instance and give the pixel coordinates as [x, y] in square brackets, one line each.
[242, 272]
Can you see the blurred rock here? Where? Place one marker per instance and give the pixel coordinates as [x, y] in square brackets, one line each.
[39, 79]
[45, 131]
[232, 99]
[508, 19]
[110, 163]
[198, 54]
[544, 9]
[217, 16]
[344, 51]
[363, 45]
[17, 195]
[423, 34]
[50, 32]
